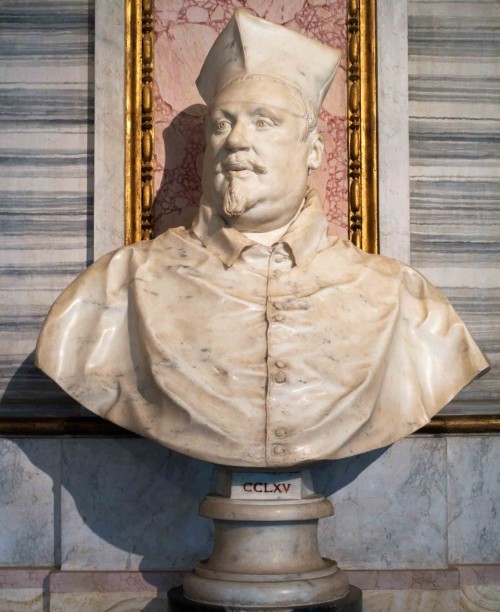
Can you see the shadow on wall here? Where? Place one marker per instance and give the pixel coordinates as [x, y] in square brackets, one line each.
[131, 504]
[178, 196]
[30, 392]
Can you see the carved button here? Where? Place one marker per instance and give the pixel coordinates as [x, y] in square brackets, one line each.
[278, 305]
[280, 432]
[280, 257]
[280, 377]
[281, 364]
[278, 317]
[278, 450]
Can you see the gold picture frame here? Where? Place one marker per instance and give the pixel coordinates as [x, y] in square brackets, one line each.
[361, 117]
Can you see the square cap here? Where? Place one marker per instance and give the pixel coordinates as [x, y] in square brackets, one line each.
[249, 45]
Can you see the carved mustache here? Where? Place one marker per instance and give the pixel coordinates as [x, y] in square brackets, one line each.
[234, 163]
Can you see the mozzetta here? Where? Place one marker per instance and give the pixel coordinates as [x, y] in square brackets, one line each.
[247, 355]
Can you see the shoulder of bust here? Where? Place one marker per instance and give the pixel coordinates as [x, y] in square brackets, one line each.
[401, 275]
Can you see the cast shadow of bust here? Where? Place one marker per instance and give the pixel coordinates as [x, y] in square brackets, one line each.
[178, 196]
[30, 392]
[129, 492]
[124, 503]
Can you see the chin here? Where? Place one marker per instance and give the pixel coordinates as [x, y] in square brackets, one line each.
[252, 220]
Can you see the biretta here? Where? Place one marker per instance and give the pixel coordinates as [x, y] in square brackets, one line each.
[249, 45]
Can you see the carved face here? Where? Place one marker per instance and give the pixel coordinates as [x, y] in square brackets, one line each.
[257, 160]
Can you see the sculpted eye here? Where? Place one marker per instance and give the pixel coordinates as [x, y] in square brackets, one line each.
[263, 123]
[221, 125]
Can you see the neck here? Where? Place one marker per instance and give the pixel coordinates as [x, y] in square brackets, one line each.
[271, 237]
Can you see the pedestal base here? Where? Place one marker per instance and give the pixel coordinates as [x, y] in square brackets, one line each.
[352, 602]
[265, 554]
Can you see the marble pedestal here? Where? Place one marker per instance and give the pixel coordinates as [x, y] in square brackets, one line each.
[265, 554]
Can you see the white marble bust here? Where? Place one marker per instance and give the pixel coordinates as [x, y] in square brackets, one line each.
[253, 338]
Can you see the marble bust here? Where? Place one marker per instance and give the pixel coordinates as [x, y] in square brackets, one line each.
[253, 338]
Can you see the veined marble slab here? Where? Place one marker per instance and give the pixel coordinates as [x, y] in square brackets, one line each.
[390, 507]
[109, 177]
[28, 507]
[453, 89]
[473, 499]
[142, 513]
[392, 119]
[46, 93]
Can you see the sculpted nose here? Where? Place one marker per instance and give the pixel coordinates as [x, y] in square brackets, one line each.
[237, 138]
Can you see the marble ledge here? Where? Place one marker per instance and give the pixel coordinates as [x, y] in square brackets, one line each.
[124, 602]
[479, 574]
[405, 579]
[424, 579]
[22, 578]
[480, 598]
[473, 588]
[469, 599]
[59, 581]
[114, 582]
[23, 600]
[412, 601]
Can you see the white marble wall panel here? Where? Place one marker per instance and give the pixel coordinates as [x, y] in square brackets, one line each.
[29, 481]
[109, 181]
[480, 309]
[392, 126]
[474, 499]
[132, 504]
[46, 161]
[390, 508]
[454, 50]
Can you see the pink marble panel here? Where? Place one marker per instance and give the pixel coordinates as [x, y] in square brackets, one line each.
[185, 30]
[448, 579]
[22, 578]
[479, 574]
[113, 582]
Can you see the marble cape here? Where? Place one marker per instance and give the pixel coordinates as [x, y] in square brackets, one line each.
[244, 355]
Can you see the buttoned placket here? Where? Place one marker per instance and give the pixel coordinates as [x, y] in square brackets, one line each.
[280, 263]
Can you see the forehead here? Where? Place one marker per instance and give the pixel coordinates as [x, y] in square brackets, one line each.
[259, 92]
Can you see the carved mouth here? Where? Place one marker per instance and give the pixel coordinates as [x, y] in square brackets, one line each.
[237, 167]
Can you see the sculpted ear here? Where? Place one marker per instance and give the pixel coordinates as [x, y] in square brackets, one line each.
[316, 153]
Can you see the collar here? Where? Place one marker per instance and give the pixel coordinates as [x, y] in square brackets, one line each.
[305, 236]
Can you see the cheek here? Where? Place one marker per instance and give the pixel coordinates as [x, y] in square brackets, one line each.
[214, 145]
[209, 149]
[290, 159]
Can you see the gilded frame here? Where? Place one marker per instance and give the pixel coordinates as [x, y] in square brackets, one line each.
[361, 110]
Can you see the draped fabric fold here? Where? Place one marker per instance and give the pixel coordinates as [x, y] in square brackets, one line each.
[247, 355]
